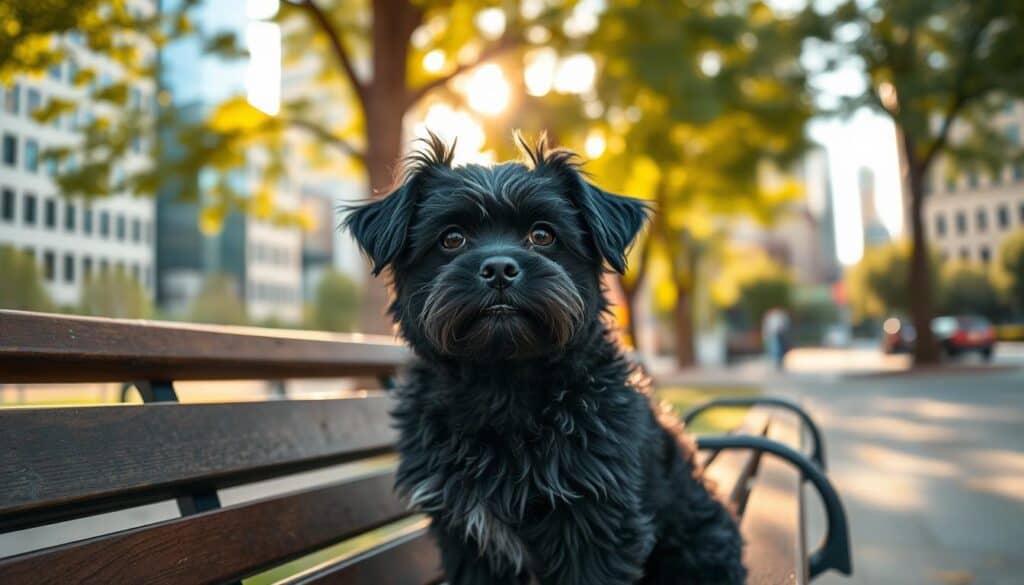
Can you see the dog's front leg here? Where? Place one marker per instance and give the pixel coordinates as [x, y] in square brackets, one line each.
[464, 564]
[587, 543]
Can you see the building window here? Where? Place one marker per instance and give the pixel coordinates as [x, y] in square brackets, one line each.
[69, 268]
[961, 223]
[104, 224]
[950, 185]
[7, 199]
[972, 179]
[147, 232]
[31, 253]
[31, 155]
[69, 216]
[940, 225]
[10, 149]
[965, 254]
[87, 221]
[120, 228]
[49, 265]
[54, 71]
[986, 254]
[29, 209]
[1003, 216]
[86, 267]
[981, 220]
[12, 99]
[50, 214]
[33, 101]
[136, 230]
[104, 266]
[997, 176]
[149, 277]
[51, 166]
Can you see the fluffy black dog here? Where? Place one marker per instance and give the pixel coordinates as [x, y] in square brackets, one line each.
[522, 430]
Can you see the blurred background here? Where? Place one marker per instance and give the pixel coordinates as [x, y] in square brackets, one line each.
[839, 189]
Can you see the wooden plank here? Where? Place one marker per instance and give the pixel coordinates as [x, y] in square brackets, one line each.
[773, 523]
[410, 559]
[730, 470]
[40, 347]
[220, 545]
[65, 457]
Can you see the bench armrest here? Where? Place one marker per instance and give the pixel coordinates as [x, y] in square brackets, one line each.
[834, 550]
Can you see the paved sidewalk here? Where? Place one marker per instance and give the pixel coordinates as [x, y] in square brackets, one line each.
[931, 468]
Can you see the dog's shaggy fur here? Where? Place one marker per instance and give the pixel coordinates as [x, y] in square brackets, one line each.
[523, 433]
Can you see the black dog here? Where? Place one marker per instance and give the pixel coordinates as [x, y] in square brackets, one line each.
[522, 431]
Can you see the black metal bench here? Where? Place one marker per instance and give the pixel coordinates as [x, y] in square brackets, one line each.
[66, 463]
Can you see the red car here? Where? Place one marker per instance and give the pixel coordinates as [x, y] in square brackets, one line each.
[965, 333]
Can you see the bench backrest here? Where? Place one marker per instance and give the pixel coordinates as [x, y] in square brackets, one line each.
[59, 464]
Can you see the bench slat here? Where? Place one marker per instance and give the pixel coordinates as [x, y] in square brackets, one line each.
[773, 520]
[412, 559]
[55, 460]
[38, 347]
[219, 545]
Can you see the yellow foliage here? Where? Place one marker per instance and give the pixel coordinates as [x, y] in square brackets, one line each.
[237, 115]
[211, 220]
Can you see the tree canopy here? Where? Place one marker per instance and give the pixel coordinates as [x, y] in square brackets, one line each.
[936, 68]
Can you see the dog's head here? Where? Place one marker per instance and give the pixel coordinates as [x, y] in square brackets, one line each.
[496, 263]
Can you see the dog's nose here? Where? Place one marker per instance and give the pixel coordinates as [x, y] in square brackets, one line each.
[499, 271]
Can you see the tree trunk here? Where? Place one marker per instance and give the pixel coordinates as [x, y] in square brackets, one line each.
[919, 283]
[683, 318]
[384, 109]
[631, 290]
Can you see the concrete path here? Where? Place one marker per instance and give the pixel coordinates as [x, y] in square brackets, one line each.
[931, 468]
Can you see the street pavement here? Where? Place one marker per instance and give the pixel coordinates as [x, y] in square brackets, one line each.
[930, 465]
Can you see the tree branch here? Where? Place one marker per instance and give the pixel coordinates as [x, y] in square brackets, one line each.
[960, 96]
[502, 45]
[330, 138]
[334, 37]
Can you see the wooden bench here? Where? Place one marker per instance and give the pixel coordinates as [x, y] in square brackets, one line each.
[73, 463]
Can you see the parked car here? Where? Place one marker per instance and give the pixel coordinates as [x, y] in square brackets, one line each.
[956, 334]
[898, 335]
[965, 333]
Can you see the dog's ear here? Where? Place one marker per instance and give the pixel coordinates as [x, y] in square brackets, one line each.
[612, 220]
[380, 227]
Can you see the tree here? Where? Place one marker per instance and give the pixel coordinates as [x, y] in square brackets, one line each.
[23, 285]
[967, 289]
[336, 305]
[374, 71]
[877, 285]
[114, 294]
[932, 65]
[695, 108]
[1011, 268]
[218, 302]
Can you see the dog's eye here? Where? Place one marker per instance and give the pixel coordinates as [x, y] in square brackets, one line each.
[541, 235]
[453, 240]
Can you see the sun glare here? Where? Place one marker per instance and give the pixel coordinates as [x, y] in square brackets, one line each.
[595, 144]
[575, 74]
[487, 90]
[434, 61]
[451, 124]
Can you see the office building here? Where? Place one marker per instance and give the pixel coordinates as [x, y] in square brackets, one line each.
[73, 237]
[968, 212]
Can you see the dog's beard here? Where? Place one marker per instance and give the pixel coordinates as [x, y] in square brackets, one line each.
[461, 318]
